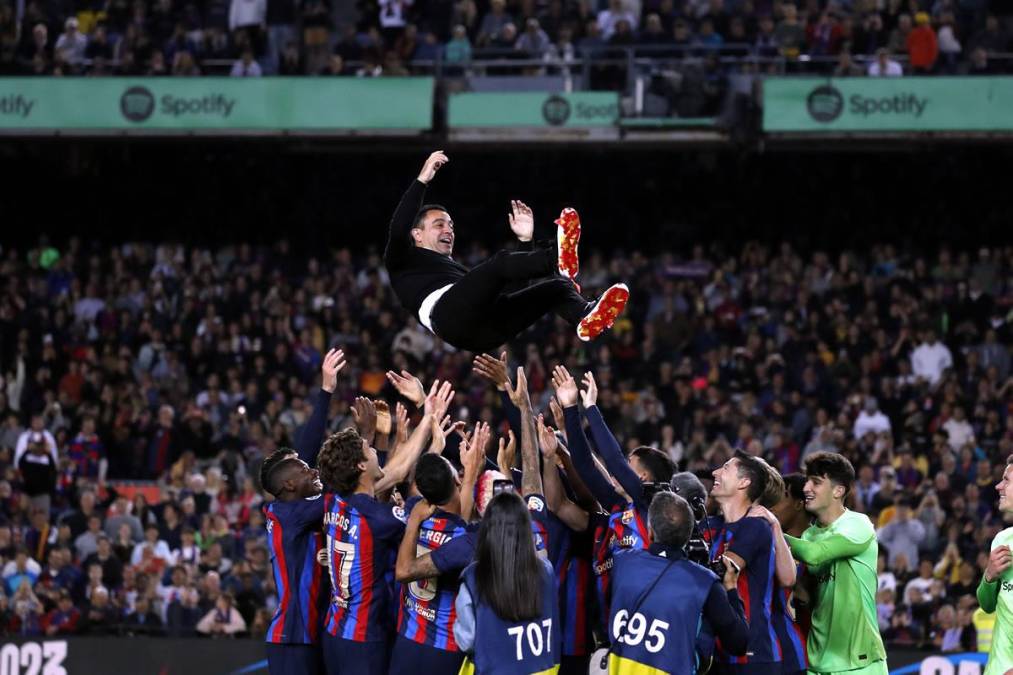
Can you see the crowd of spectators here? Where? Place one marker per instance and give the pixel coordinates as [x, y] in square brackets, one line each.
[385, 37]
[142, 386]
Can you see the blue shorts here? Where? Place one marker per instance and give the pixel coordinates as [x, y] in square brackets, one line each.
[411, 658]
[347, 657]
[294, 659]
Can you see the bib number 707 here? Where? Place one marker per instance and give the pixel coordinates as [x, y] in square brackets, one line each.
[632, 630]
[537, 643]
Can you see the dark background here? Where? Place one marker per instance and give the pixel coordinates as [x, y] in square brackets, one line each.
[340, 192]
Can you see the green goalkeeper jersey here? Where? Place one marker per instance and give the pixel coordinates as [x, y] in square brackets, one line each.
[842, 558]
[998, 597]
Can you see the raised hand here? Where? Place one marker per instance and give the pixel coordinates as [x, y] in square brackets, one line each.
[494, 370]
[334, 363]
[364, 414]
[408, 386]
[472, 456]
[422, 510]
[441, 430]
[522, 220]
[557, 415]
[547, 440]
[519, 394]
[566, 388]
[432, 165]
[439, 399]
[401, 413]
[382, 416]
[999, 561]
[506, 453]
[589, 395]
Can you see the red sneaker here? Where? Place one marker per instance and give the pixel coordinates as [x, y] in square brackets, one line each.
[605, 312]
[567, 239]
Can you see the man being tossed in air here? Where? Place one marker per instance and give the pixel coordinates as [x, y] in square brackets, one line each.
[482, 308]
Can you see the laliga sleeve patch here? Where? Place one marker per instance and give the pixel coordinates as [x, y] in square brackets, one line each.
[536, 504]
[399, 513]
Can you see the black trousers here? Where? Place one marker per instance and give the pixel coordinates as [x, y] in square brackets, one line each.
[491, 304]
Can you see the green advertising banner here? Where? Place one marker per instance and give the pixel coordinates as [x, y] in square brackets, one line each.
[216, 104]
[533, 109]
[888, 104]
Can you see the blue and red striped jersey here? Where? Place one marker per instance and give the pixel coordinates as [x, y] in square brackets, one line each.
[294, 537]
[363, 535]
[86, 452]
[629, 526]
[426, 613]
[752, 540]
[624, 528]
[576, 595]
[791, 624]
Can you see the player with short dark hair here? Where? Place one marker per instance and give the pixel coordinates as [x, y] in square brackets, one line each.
[791, 617]
[840, 550]
[293, 522]
[425, 621]
[749, 543]
[484, 307]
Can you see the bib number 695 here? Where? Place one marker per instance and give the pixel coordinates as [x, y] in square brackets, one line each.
[632, 630]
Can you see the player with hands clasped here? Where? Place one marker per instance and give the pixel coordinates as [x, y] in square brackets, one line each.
[995, 592]
[484, 307]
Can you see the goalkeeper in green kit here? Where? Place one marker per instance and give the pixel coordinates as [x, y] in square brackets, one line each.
[839, 551]
[995, 592]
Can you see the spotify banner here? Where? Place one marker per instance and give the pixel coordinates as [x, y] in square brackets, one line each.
[216, 104]
[884, 104]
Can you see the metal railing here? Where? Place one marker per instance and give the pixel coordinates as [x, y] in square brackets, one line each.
[653, 81]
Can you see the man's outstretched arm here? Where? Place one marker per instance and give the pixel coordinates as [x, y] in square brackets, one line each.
[408, 207]
[312, 437]
[832, 548]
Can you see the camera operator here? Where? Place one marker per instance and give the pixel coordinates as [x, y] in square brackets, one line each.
[659, 598]
[688, 486]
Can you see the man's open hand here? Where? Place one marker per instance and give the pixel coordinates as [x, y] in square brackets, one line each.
[432, 165]
[522, 220]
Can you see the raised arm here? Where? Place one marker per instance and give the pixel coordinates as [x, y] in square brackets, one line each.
[832, 548]
[495, 370]
[606, 443]
[580, 450]
[572, 515]
[312, 437]
[410, 566]
[999, 560]
[404, 458]
[408, 207]
[473, 461]
[581, 494]
[531, 480]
